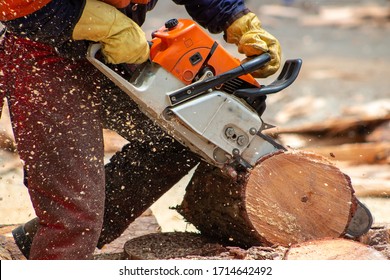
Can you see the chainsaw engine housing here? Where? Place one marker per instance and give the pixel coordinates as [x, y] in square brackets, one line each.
[185, 50]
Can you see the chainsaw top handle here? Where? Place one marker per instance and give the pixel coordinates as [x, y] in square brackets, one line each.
[286, 77]
[196, 88]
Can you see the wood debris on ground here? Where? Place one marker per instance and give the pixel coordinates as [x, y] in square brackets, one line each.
[153, 245]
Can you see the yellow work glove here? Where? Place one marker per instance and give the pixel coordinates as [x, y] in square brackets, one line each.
[252, 40]
[123, 41]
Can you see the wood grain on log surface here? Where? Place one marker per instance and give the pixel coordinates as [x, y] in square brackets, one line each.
[287, 198]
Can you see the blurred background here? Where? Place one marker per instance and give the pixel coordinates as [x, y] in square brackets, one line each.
[339, 106]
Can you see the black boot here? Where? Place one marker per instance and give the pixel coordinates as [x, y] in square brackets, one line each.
[23, 236]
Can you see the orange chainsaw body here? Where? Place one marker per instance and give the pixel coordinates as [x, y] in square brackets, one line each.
[186, 48]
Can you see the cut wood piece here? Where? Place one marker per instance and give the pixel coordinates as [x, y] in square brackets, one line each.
[8, 248]
[372, 187]
[333, 249]
[307, 141]
[191, 246]
[170, 245]
[358, 153]
[378, 238]
[4, 254]
[287, 198]
[347, 16]
[378, 235]
[380, 133]
[282, 11]
[359, 125]
[368, 180]
[300, 196]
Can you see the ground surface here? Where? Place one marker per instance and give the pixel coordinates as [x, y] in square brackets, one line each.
[346, 65]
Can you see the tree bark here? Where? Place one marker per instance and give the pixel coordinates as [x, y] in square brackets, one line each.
[168, 245]
[192, 246]
[287, 198]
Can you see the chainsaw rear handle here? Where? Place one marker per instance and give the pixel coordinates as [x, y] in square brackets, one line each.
[196, 88]
[286, 77]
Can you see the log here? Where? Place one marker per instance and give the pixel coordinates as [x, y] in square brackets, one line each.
[287, 198]
[378, 237]
[333, 249]
[4, 254]
[369, 180]
[170, 245]
[348, 16]
[356, 153]
[192, 246]
[8, 248]
[337, 127]
[380, 134]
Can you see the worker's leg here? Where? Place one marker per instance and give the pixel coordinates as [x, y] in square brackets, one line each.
[143, 170]
[57, 127]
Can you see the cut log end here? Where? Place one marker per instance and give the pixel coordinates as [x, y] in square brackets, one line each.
[294, 197]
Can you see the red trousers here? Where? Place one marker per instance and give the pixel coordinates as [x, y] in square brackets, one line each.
[58, 109]
[55, 112]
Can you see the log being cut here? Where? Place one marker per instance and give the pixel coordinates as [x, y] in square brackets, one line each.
[288, 197]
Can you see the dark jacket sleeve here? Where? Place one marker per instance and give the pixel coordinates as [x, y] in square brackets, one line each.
[215, 15]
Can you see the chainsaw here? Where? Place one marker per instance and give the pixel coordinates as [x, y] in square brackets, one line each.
[209, 101]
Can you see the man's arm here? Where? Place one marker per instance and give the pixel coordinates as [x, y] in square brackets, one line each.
[215, 15]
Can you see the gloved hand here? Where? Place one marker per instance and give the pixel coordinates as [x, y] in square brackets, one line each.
[247, 33]
[123, 41]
